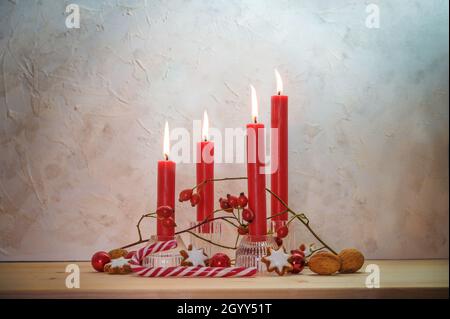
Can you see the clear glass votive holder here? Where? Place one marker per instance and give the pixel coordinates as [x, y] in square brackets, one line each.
[169, 258]
[252, 248]
[210, 231]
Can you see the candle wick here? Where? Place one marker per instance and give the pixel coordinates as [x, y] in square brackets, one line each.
[166, 157]
[279, 92]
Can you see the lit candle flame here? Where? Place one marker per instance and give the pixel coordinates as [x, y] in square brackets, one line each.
[205, 126]
[166, 149]
[279, 82]
[254, 104]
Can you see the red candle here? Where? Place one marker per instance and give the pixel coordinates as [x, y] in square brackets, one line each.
[255, 172]
[166, 191]
[205, 171]
[279, 153]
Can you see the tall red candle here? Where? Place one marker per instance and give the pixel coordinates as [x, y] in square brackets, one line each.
[166, 191]
[205, 171]
[279, 153]
[256, 180]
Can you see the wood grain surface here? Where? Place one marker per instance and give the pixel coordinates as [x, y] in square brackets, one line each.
[398, 279]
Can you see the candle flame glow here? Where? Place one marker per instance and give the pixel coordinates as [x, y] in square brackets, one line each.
[166, 149]
[254, 104]
[279, 82]
[205, 127]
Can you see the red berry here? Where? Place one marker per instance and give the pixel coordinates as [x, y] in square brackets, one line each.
[279, 241]
[302, 247]
[298, 263]
[248, 215]
[282, 231]
[185, 195]
[195, 199]
[220, 260]
[164, 211]
[233, 201]
[242, 200]
[130, 254]
[225, 205]
[242, 230]
[297, 252]
[168, 222]
[99, 260]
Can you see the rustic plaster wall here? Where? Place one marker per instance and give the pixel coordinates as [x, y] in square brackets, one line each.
[82, 114]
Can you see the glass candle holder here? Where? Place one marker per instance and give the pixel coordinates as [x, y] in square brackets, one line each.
[211, 231]
[252, 248]
[289, 242]
[169, 258]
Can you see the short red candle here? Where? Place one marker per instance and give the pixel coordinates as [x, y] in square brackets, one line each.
[256, 177]
[205, 171]
[279, 155]
[166, 190]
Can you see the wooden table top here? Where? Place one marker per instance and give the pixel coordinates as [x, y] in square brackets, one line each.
[398, 279]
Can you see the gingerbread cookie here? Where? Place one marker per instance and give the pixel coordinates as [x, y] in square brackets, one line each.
[118, 266]
[277, 260]
[193, 257]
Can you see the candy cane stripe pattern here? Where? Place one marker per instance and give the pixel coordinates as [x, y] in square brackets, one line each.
[182, 271]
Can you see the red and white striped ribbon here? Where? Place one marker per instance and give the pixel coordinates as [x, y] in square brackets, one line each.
[182, 271]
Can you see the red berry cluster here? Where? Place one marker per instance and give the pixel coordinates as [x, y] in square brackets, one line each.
[189, 195]
[165, 213]
[243, 230]
[282, 232]
[233, 202]
[219, 260]
[297, 259]
[227, 204]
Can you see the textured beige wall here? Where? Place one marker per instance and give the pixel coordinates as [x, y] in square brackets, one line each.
[82, 114]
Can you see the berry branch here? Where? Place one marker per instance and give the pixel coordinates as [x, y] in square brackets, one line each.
[228, 205]
[312, 251]
[224, 218]
[188, 230]
[138, 225]
[217, 180]
[303, 219]
[280, 213]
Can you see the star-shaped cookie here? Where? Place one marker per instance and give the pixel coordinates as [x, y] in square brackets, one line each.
[193, 257]
[277, 260]
[118, 266]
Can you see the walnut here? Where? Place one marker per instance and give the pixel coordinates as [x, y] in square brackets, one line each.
[324, 263]
[352, 260]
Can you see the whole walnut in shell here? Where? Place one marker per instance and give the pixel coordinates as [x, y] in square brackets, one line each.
[324, 263]
[351, 260]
